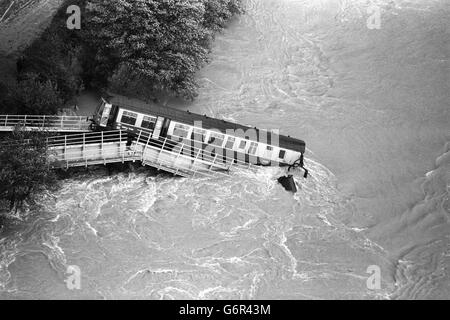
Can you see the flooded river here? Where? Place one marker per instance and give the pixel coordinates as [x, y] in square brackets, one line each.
[372, 103]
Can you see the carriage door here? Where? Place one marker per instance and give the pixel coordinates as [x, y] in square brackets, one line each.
[158, 127]
[165, 128]
[105, 114]
[267, 155]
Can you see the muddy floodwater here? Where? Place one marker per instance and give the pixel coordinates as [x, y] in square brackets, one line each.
[372, 105]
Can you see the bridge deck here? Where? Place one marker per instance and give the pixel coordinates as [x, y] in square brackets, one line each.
[118, 146]
[89, 148]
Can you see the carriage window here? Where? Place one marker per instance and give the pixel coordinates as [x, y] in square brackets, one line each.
[269, 148]
[129, 118]
[199, 135]
[253, 147]
[230, 143]
[148, 122]
[181, 130]
[216, 139]
[242, 144]
[282, 154]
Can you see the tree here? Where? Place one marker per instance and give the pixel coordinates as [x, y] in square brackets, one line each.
[24, 167]
[134, 45]
[56, 55]
[35, 96]
[6, 102]
[219, 12]
[161, 42]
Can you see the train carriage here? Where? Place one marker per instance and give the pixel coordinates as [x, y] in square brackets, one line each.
[197, 136]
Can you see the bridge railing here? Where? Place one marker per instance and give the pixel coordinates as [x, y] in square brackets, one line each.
[45, 121]
[218, 159]
[87, 138]
[243, 159]
[90, 148]
[119, 145]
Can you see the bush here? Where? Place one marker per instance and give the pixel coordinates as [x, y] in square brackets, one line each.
[24, 168]
[219, 12]
[129, 43]
[162, 43]
[57, 55]
[7, 104]
[35, 96]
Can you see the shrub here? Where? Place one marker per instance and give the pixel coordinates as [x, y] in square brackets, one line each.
[35, 96]
[128, 43]
[24, 168]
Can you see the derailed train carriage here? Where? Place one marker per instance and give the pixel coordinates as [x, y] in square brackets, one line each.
[218, 140]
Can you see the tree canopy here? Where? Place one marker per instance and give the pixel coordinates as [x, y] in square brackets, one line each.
[24, 167]
[160, 42]
[130, 46]
[31, 95]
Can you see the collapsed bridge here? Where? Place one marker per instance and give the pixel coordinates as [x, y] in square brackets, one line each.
[180, 142]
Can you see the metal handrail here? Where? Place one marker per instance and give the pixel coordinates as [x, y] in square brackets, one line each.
[71, 156]
[205, 159]
[91, 137]
[76, 139]
[144, 139]
[204, 163]
[42, 121]
[145, 132]
[205, 156]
